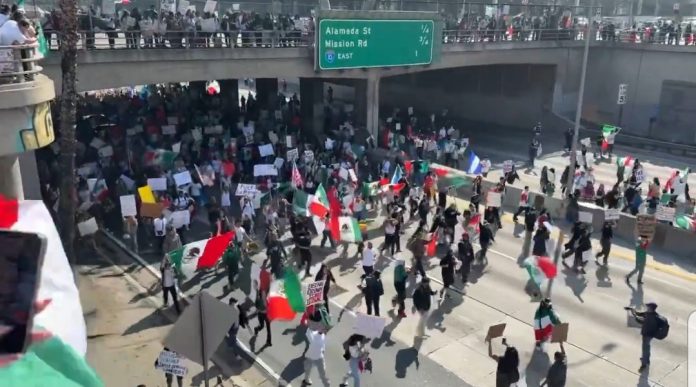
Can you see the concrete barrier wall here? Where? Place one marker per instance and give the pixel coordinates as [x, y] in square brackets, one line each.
[672, 240]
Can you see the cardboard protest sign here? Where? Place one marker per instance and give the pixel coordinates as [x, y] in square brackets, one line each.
[88, 227]
[560, 333]
[182, 178]
[266, 150]
[315, 292]
[665, 213]
[151, 210]
[495, 331]
[369, 326]
[146, 195]
[106, 151]
[645, 225]
[158, 183]
[292, 154]
[171, 363]
[205, 320]
[128, 207]
[612, 214]
[493, 199]
[246, 190]
[585, 217]
[265, 170]
[169, 130]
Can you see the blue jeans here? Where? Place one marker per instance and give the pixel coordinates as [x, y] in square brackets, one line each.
[645, 355]
[353, 371]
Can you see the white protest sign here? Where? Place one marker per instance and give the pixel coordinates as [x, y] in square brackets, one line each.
[507, 166]
[308, 156]
[183, 6]
[369, 326]
[87, 169]
[246, 190]
[88, 227]
[173, 120]
[493, 199]
[278, 163]
[176, 148]
[106, 151]
[128, 207]
[97, 143]
[265, 170]
[315, 292]
[639, 175]
[169, 130]
[288, 141]
[130, 183]
[585, 217]
[612, 214]
[205, 179]
[292, 154]
[210, 6]
[328, 144]
[158, 183]
[91, 183]
[108, 7]
[665, 213]
[196, 134]
[586, 142]
[182, 178]
[265, 150]
[171, 363]
[352, 174]
[273, 137]
[181, 218]
[397, 126]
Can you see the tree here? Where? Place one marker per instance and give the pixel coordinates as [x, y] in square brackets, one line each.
[68, 112]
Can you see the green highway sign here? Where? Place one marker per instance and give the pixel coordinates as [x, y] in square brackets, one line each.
[349, 44]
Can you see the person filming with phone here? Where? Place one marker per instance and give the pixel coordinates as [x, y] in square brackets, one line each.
[653, 326]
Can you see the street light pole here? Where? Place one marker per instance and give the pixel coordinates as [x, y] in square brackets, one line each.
[578, 110]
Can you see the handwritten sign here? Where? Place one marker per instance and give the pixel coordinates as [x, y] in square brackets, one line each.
[278, 163]
[246, 190]
[612, 214]
[265, 170]
[645, 225]
[171, 363]
[639, 175]
[315, 292]
[292, 154]
[665, 213]
[128, 207]
[181, 218]
[210, 6]
[158, 184]
[182, 178]
[507, 166]
[308, 156]
[585, 217]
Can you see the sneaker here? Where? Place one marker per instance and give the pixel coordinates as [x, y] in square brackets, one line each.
[306, 382]
[640, 282]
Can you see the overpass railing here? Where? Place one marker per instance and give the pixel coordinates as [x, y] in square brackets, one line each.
[18, 63]
[135, 40]
[509, 35]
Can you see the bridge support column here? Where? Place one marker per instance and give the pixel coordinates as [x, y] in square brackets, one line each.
[312, 104]
[372, 105]
[11, 183]
[267, 93]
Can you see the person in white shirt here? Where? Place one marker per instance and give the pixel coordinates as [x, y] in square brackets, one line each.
[160, 226]
[4, 13]
[368, 259]
[168, 284]
[315, 356]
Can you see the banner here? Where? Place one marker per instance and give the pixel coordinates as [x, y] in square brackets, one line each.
[315, 292]
[246, 190]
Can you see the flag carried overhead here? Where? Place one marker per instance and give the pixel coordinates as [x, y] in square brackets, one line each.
[474, 164]
[296, 176]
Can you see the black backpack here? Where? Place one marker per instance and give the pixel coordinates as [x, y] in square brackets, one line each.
[662, 328]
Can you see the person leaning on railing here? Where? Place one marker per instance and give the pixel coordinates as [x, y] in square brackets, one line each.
[16, 31]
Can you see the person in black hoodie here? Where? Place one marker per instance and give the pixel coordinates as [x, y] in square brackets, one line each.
[422, 298]
[448, 265]
[584, 244]
[605, 242]
[325, 274]
[465, 251]
[485, 240]
[372, 290]
[540, 238]
[451, 215]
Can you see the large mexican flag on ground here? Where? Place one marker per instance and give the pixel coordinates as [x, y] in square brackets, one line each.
[285, 298]
[348, 229]
[206, 253]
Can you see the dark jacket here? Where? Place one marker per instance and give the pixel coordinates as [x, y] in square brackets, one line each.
[649, 324]
[448, 264]
[486, 235]
[422, 297]
[465, 252]
[373, 286]
[607, 232]
[540, 238]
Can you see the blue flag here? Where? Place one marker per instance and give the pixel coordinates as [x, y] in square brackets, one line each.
[474, 164]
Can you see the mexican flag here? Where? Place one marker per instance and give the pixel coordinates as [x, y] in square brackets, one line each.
[205, 253]
[319, 205]
[683, 174]
[296, 176]
[685, 222]
[540, 269]
[301, 202]
[624, 161]
[162, 157]
[63, 316]
[370, 189]
[285, 298]
[544, 320]
[454, 181]
[348, 229]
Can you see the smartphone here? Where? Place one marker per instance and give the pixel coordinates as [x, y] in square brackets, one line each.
[21, 258]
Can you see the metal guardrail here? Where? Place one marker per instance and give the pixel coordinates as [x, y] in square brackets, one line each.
[18, 63]
[136, 40]
[509, 35]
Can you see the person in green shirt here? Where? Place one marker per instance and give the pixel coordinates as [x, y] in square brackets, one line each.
[400, 277]
[231, 259]
[641, 259]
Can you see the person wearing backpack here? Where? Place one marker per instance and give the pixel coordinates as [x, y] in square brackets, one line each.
[654, 326]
